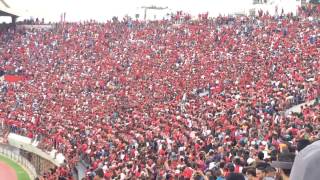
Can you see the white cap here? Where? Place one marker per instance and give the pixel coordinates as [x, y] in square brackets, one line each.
[250, 161]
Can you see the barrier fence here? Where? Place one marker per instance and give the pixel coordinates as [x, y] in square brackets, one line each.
[13, 154]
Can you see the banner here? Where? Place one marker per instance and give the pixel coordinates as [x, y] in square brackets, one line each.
[14, 78]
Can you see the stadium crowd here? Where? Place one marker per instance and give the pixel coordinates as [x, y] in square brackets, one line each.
[194, 99]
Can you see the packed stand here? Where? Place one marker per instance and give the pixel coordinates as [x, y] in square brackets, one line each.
[164, 100]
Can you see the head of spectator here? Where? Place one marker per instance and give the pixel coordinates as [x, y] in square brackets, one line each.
[302, 143]
[270, 173]
[260, 156]
[235, 176]
[250, 173]
[198, 175]
[261, 169]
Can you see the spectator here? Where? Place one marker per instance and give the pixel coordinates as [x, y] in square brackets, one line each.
[284, 165]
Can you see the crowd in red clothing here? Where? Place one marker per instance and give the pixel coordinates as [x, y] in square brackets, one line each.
[163, 99]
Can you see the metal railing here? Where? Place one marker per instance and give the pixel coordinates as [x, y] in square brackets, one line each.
[13, 154]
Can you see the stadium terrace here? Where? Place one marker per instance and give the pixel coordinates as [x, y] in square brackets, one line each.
[167, 99]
